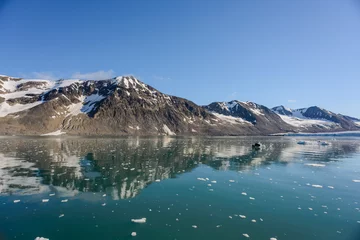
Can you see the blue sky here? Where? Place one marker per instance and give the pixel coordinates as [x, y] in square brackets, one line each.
[296, 53]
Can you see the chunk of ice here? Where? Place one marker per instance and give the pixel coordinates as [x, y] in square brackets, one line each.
[140, 220]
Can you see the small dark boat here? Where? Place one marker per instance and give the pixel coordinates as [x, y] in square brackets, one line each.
[256, 146]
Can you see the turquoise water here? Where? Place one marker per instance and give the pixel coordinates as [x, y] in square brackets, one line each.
[186, 188]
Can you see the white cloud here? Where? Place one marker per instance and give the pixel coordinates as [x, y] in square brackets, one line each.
[99, 75]
[292, 101]
[40, 75]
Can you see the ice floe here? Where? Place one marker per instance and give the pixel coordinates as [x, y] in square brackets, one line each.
[140, 220]
[315, 164]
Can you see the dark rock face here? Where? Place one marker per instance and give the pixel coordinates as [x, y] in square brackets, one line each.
[282, 110]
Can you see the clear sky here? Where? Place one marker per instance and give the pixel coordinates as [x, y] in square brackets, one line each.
[297, 53]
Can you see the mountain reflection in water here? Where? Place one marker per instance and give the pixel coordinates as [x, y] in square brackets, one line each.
[124, 167]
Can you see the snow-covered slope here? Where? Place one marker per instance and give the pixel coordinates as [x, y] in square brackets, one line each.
[254, 115]
[315, 118]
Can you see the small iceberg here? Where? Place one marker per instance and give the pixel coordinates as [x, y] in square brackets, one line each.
[141, 220]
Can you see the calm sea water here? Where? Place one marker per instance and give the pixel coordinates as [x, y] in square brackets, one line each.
[186, 188]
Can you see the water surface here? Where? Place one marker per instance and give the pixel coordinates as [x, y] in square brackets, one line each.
[186, 188]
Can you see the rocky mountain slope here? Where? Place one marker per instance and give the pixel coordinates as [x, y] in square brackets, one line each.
[314, 119]
[257, 116]
[126, 106]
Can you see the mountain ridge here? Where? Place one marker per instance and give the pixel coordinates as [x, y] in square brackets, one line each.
[126, 106]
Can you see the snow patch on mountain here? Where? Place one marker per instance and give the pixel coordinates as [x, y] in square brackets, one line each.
[167, 130]
[254, 108]
[55, 133]
[305, 123]
[6, 109]
[230, 119]
[90, 102]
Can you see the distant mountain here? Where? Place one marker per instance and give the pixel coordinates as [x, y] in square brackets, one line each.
[126, 106]
[258, 116]
[316, 119]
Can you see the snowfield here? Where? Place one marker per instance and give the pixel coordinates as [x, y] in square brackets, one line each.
[305, 122]
[230, 119]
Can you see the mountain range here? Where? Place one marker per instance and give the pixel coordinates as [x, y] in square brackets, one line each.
[126, 106]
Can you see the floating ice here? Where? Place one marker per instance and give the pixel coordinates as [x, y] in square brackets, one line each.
[316, 186]
[310, 209]
[16, 201]
[357, 181]
[157, 180]
[331, 187]
[213, 181]
[45, 200]
[133, 234]
[253, 220]
[104, 204]
[246, 235]
[104, 195]
[244, 193]
[201, 179]
[52, 194]
[41, 238]
[141, 220]
[231, 180]
[230, 217]
[251, 198]
[194, 226]
[61, 215]
[273, 239]
[65, 200]
[242, 216]
[315, 164]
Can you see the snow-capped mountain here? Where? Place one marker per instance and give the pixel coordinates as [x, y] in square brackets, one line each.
[257, 116]
[315, 119]
[126, 106]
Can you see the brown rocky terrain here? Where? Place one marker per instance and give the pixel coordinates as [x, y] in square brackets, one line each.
[124, 106]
